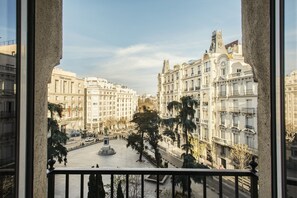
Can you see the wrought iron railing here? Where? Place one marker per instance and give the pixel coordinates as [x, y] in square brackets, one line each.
[158, 173]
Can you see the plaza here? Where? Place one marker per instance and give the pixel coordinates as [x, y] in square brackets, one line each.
[87, 157]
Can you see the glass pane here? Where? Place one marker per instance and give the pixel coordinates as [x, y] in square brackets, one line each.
[161, 52]
[291, 92]
[7, 96]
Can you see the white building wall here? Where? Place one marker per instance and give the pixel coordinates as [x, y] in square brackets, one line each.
[213, 70]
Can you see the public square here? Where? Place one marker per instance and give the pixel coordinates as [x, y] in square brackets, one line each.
[87, 157]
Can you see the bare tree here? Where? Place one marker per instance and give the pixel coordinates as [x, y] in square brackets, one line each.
[198, 148]
[241, 155]
[290, 132]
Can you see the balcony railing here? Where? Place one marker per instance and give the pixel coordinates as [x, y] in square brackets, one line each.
[222, 93]
[249, 126]
[234, 109]
[235, 93]
[248, 110]
[235, 74]
[223, 108]
[80, 188]
[7, 114]
[249, 92]
[221, 141]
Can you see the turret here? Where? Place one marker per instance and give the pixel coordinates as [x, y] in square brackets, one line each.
[165, 66]
[217, 43]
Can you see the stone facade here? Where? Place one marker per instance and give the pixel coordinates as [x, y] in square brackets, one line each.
[224, 86]
[108, 105]
[47, 54]
[68, 90]
[256, 35]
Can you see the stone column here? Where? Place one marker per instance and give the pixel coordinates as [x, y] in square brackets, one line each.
[256, 51]
[48, 52]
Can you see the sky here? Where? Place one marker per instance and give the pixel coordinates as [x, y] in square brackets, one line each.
[126, 42]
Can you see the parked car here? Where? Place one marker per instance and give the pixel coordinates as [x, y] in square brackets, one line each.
[89, 139]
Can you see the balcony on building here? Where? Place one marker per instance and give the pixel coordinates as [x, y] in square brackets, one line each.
[205, 86]
[235, 92]
[234, 75]
[7, 114]
[235, 124]
[234, 109]
[248, 110]
[204, 121]
[222, 94]
[249, 92]
[197, 88]
[221, 141]
[249, 126]
[222, 108]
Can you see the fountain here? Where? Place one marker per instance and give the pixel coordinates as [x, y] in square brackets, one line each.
[106, 149]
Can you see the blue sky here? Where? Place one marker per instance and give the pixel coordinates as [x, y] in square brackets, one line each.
[127, 41]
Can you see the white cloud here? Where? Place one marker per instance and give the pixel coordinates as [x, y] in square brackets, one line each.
[136, 66]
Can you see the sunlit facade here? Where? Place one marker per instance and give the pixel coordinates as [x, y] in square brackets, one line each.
[227, 94]
[107, 104]
[67, 89]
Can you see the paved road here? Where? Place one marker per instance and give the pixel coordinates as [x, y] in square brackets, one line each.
[212, 182]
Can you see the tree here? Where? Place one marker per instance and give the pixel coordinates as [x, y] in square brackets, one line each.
[198, 148]
[184, 117]
[56, 137]
[171, 129]
[240, 155]
[147, 122]
[136, 142]
[290, 132]
[120, 191]
[95, 185]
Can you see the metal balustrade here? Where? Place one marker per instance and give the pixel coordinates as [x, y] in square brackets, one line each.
[219, 174]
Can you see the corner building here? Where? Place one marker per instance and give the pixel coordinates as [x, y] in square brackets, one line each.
[108, 105]
[224, 86]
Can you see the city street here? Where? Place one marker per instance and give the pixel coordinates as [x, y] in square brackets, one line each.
[125, 157]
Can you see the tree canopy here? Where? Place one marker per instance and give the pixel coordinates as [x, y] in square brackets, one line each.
[56, 138]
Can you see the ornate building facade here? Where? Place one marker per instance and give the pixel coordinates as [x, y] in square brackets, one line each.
[224, 86]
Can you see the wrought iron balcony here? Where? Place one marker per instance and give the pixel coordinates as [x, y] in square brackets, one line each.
[222, 94]
[7, 114]
[234, 109]
[197, 88]
[248, 110]
[207, 176]
[221, 141]
[235, 93]
[249, 127]
[249, 92]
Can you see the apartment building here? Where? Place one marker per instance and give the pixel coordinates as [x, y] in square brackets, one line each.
[67, 89]
[291, 118]
[7, 107]
[227, 94]
[107, 104]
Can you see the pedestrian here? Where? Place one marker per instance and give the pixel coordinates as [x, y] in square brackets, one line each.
[65, 161]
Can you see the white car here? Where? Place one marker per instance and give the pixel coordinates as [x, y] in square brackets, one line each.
[89, 139]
